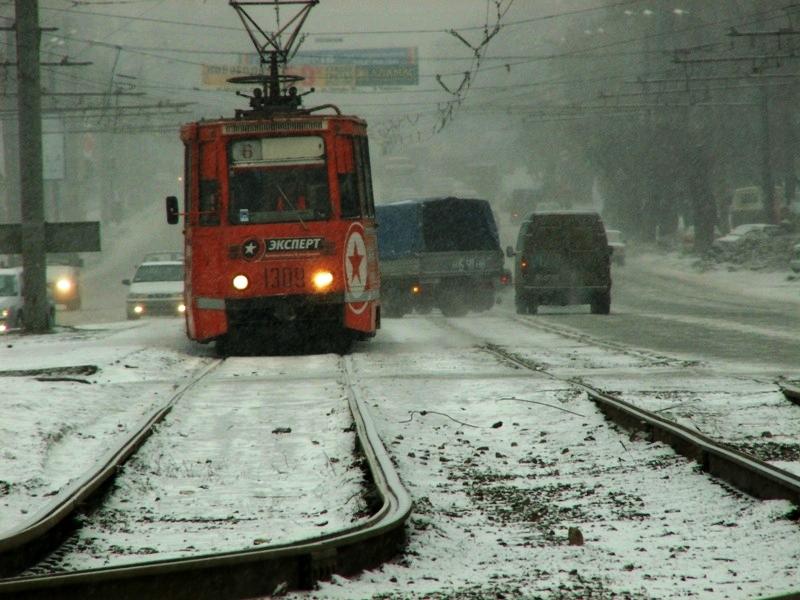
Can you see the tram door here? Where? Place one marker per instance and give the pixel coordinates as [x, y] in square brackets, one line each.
[203, 243]
[360, 257]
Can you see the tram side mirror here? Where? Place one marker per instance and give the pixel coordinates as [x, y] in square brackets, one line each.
[172, 210]
[510, 251]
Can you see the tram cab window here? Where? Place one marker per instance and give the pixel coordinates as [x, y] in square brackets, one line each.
[275, 180]
[208, 205]
[278, 195]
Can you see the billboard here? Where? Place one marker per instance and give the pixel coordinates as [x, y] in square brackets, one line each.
[331, 69]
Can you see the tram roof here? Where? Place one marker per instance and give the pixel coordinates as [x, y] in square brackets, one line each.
[289, 121]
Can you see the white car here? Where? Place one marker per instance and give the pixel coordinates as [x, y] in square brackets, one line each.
[12, 301]
[156, 289]
[745, 232]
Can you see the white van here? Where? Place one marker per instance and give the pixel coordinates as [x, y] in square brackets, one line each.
[156, 289]
[12, 300]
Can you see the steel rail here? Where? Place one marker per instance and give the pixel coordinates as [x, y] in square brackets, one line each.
[791, 391]
[254, 572]
[746, 473]
[20, 544]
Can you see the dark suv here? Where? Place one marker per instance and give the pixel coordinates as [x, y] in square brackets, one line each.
[562, 258]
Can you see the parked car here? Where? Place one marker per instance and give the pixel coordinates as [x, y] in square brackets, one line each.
[156, 289]
[794, 262]
[742, 234]
[562, 258]
[12, 300]
[617, 244]
[63, 273]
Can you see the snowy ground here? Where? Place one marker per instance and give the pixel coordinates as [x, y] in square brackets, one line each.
[500, 463]
[764, 284]
[494, 504]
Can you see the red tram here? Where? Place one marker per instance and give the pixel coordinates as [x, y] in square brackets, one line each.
[279, 224]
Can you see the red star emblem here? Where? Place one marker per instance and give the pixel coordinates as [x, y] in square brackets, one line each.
[355, 262]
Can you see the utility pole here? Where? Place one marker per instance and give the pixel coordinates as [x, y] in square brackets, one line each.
[29, 105]
[767, 176]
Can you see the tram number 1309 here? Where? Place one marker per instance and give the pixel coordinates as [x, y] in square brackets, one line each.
[285, 277]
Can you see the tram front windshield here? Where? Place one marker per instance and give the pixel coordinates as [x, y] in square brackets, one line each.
[277, 195]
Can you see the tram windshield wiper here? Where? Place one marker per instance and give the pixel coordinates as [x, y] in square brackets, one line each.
[292, 206]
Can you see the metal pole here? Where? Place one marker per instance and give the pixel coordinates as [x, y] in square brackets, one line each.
[767, 177]
[29, 105]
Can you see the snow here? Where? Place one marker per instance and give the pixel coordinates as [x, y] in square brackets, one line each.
[764, 285]
[500, 462]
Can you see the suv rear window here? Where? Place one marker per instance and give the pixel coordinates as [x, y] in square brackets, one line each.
[573, 233]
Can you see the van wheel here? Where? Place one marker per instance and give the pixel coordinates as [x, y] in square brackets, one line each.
[601, 304]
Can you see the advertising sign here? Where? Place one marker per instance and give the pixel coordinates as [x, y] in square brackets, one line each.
[331, 69]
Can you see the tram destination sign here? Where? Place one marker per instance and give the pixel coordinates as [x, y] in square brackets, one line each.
[331, 69]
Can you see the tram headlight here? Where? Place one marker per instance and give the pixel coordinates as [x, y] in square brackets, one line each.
[240, 282]
[322, 280]
[4, 313]
[138, 309]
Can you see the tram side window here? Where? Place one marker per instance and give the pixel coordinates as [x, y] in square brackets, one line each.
[208, 207]
[347, 191]
[187, 171]
[364, 177]
[355, 186]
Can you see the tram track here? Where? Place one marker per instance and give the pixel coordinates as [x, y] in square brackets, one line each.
[745, 472]
[259, 570]
[32, 537]
[720, 459]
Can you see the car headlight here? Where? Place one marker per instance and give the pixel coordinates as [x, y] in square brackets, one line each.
[181, 308]
[4, 313]
[322, 280]
[64, 285]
